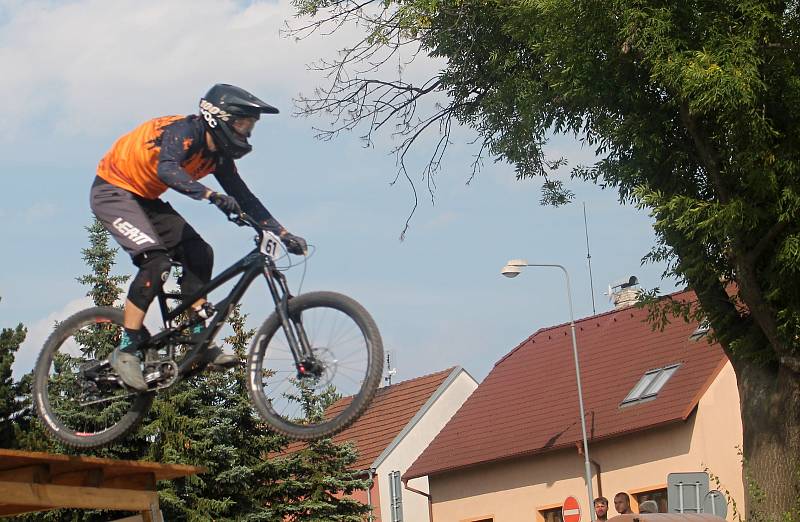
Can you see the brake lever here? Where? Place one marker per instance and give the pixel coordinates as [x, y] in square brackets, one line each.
[236, 219]
[242, 219]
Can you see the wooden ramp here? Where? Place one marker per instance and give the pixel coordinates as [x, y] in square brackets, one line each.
[32, 481]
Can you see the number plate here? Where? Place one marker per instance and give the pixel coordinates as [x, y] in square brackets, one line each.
[271, 245]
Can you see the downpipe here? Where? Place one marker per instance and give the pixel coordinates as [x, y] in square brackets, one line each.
[426, 495]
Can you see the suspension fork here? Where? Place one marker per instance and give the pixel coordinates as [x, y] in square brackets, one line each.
[292, 326]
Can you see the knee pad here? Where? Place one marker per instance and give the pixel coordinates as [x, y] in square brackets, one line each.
[154, 270]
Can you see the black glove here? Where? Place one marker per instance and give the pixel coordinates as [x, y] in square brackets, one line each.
[295, 244]
[225, 203]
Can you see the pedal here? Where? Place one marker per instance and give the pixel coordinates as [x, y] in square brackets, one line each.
[90, 370]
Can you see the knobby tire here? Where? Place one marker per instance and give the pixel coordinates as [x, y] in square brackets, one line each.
[139, 407]
[360, 401]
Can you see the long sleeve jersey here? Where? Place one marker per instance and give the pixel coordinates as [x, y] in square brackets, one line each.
[171, 152]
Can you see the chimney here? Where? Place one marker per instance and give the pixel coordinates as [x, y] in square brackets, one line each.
[624, 293]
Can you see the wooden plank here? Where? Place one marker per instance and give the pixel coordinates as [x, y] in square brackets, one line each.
[48, 496]
[144, 517]
[139, 481]
[17, 509]
[16, 459]
[38, 473]
[89, 478]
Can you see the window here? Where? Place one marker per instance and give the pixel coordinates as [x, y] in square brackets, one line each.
[552, 515]
[659, 495]
[650, 384]
[396, 496]
[701, 331]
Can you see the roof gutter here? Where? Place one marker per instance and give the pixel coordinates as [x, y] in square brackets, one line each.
[426, 495]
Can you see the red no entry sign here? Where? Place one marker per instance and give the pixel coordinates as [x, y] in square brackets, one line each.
[571, 510]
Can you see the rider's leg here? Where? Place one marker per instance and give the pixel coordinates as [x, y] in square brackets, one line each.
[128, 218]
[197, 258]
[154, 267]
[133, 316]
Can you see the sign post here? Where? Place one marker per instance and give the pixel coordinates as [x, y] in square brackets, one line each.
[686, 492]
[571, 510]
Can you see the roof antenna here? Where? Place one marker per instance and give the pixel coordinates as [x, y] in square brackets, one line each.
[589, 257]
[389, 370]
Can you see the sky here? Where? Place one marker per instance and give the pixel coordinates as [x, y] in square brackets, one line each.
[78, 74]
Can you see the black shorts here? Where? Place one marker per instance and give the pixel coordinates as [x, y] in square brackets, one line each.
[138, 224]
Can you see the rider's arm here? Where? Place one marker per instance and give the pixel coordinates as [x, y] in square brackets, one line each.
[234, 186]
[173, 152]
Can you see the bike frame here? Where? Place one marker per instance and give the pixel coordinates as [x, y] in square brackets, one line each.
[249, 267]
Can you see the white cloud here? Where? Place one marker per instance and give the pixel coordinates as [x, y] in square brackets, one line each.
[40, 211]
[90, 64]
[38, 332]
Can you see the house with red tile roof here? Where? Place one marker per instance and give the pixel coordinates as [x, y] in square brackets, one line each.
[656, 402]
[399, 424]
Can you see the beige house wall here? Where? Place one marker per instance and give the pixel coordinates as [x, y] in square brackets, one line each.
[516, 490]
[415, 506]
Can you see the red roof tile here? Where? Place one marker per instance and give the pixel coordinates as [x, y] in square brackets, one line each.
[529, 402]
[391, 410]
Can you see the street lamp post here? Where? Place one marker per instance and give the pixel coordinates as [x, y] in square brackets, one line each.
[512, 269]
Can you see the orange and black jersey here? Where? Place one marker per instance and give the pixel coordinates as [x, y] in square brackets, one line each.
[171, 152]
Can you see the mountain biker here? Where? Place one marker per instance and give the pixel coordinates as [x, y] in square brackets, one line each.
[174, 152]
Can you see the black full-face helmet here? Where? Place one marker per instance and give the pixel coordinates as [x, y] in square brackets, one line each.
[229, 114]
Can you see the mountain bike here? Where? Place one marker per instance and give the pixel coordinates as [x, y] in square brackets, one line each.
[321, 343]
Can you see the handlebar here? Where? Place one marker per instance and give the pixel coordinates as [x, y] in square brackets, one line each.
[244, 220]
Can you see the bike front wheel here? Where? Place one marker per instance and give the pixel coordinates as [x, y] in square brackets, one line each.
[327, 392]
[78, 398]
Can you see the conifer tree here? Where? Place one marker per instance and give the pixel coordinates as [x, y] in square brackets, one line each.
[10, 408]
[315, 484]
[317, 480]
[104, 288]
[208, 421]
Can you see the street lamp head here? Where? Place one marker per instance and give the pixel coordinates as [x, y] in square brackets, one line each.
[514, 267]
[511, 271]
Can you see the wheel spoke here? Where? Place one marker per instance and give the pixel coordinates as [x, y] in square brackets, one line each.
[80, 396]
[344, 357]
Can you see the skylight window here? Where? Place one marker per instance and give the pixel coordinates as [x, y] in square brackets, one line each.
[650, 384]
[701, 331]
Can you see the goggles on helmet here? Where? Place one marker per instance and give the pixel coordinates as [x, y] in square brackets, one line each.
[243, 126]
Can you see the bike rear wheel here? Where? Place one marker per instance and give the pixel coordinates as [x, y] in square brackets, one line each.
[324, 399]
[79, 401]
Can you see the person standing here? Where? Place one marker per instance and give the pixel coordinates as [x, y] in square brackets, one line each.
[622, 503]
[648, 506]
[601, 508]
